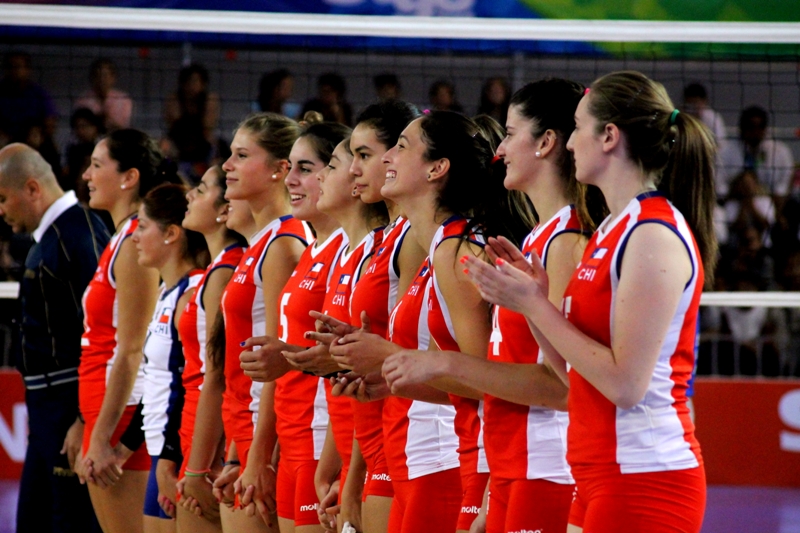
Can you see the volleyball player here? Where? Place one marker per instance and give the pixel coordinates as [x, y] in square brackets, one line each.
[254, 173]
[525, 437]
[206, 213]
[176, 254]
[630, 310]
[118, 302]
[298, 415]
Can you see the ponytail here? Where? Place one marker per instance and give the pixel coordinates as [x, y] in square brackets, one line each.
[688, 181]
[676, 148]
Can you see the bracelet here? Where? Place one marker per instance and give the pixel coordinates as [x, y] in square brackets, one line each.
[196, 473]
[232, 462]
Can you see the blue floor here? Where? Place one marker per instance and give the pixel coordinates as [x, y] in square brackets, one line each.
[729, 510]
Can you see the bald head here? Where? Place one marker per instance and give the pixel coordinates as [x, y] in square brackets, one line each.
[19, 163]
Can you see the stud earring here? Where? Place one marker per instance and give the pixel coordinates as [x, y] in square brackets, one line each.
[219, 219]
[122, 187]
[166, 241]
[538, 153]
[354, 192]
[275, 175]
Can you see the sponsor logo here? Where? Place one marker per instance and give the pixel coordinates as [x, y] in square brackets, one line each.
[312, 507]
[381, 477]
[527, 531]
[470, 509]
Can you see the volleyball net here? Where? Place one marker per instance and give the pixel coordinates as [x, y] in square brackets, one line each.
[750, 326]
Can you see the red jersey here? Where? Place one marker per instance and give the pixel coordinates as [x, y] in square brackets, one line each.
[192, 331]
[526, 442]
[99, 339]
[469, 412]
[376, 293]
[419, 437]
[345, 273]
[300, 404]
[656, 434]
[243, 308]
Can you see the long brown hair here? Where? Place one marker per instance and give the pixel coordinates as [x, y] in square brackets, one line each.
[676, 148]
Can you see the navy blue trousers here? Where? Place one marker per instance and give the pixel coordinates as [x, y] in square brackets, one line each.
[50, 497]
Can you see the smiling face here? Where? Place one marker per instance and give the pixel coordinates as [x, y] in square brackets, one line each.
[406, 166]
[336, 183]
[103, 178]
[149, 239]
[586, 144]
[301, 181]
[367, 168]
[518, 150]
[248, 169]
[204, 205]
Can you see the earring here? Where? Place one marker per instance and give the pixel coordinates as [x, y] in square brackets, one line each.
[354, 192]
[122, 187]
[537, 153]
[219, 220]
[275, 175]
[166, 241]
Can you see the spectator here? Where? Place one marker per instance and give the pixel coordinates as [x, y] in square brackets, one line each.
[771, 160]
[274, 92]
[192, 116]
[24, 104]
[330, 101]
[387, 87]
[86, 130]
[495, 97]
[113, 106]
[695, 102]
[748, 207]
[68, 242]
[37, 138]
[442, 97]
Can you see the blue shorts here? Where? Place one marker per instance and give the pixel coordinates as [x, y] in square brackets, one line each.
[151, 507]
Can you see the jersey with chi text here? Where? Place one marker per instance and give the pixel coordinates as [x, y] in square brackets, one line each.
[99, 339]
[419, 437]
[657, 434]
[526, 442]
[469, 412]
[344, 275]
[162, 401]
[376, 294]
[243, 309]
[301, 408]
[192, 328]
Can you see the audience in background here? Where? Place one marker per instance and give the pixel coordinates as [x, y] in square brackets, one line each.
[86, 131]
[275, 92]
[495, 97]
[330, 101]
[442, 97]
[25, 106]
[770, 159]
[113, 106]
[191, 115]
[387, 87]
[695, 102]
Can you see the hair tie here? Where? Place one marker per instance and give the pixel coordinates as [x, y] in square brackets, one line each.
[673, 116]
[586, 91]
[496, 158]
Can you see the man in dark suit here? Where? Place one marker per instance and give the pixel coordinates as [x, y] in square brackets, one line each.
[68, 240]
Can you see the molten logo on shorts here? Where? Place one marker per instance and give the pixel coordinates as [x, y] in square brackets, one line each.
[381, 477]
[527, 531]
[308, 507]
[471, 509]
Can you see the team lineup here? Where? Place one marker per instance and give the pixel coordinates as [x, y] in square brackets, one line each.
[427, 323]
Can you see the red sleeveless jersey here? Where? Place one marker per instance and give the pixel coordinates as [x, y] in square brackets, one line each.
[419, 437]
[99, 339]
[300, 405]
[376, 293]
[656, 434]
[192, 331]
[526, 442]
[346, 271]
[243, 308]
[469, 412]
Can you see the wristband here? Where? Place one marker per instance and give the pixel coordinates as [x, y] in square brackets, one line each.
[196, 473]
[232, 462]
